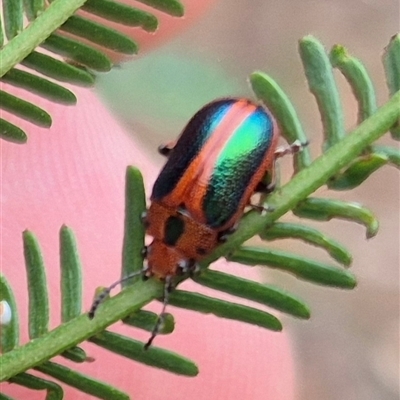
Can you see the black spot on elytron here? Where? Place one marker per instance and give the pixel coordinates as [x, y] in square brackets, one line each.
[174, 228]
[200, 251]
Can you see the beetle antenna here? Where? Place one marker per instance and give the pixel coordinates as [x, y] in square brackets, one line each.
[167, 290]
[105, 292]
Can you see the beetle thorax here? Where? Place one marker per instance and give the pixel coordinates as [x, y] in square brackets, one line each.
[163, 260]
[179, 240]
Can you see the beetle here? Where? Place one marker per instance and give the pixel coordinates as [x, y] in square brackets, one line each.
[213, 168]
[211, 172]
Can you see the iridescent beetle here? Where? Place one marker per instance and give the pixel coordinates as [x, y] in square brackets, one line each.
[213, 169]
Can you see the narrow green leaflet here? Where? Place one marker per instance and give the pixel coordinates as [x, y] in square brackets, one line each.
[358, 78]
[358, 171]
[75, 354]
[11, 133]
[59, 70]
[146, 320]
[224, 309]
[322, 85]
[326, 209]
[100, 34]
[38, 85]
[269, 92]
[135, 206]
[283, 230]
[53, 391]
[391, 63]
[122, 13]
[24, 109]
[78, 52]
[12, 17]
[71, 287]
[264, 294]
[153, 356]
[392, 154]
[71, 276]
[37, 287]
[33, 8]
[82, 382]
[9, 332]
[364, 91]
[171, 7]
[1, 37]
[301, 267]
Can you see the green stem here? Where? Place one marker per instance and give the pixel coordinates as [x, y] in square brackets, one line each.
[79, 329]
[36, 32]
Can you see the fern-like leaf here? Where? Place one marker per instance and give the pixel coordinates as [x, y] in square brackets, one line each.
[81, 41]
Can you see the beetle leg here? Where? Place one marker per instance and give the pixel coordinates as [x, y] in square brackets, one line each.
[267, 188]
[268, 184]
[194, 269]
[183, 267]
[187, 267]
[293, 148]
[165, 149]
[143, 218]
[262, 209]
[224, 235]
[168, 287]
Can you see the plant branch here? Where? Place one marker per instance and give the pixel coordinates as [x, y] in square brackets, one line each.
[36, 32]
[79, 329]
